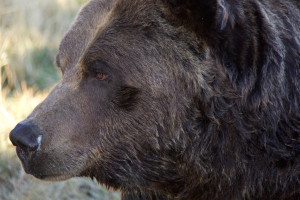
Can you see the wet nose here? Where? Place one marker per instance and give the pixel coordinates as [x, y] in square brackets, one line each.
[26, 136]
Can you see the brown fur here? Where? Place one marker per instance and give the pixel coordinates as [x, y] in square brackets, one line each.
[201, 100]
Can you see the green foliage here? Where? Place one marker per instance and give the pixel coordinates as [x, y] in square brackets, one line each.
[46, 72]
[81, 1]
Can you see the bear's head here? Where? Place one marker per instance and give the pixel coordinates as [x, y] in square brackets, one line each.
[152, 94]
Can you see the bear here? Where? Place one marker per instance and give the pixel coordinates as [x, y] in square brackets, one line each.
[174, 99]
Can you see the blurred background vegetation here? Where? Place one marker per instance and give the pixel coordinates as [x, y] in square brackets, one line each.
[30, 32]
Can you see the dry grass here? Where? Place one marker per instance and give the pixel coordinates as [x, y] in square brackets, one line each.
[30, 32]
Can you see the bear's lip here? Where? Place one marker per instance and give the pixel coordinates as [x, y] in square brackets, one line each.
[26, 160]
[24, 156]
[52, 177]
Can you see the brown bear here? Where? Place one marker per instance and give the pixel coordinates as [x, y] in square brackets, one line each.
[174, 99]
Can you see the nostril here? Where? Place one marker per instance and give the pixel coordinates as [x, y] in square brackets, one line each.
[26, 136]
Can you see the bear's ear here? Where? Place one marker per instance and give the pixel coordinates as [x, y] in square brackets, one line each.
[204, 14]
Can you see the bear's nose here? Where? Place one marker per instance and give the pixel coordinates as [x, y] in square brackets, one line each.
[26, 136]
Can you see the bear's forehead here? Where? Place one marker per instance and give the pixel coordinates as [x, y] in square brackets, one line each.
[91, 20]
[83, 31]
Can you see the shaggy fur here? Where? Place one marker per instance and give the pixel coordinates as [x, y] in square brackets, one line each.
[201, 100]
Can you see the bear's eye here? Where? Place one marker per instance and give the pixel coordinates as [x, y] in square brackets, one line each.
[101, 76]
[99, 70]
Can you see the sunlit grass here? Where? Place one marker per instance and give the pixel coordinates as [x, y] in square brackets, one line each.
[30, 32]
[14, 109]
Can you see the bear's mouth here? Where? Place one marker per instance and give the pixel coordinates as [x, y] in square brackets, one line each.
[40, 166]
[52, 177]
[25, 156]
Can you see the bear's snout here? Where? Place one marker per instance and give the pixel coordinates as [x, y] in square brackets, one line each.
[26, 136]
